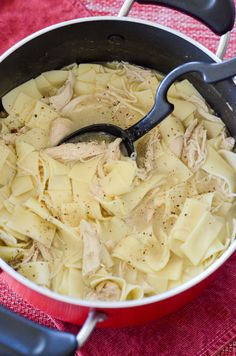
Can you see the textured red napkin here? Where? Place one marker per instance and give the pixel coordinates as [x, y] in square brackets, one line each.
[206, 326]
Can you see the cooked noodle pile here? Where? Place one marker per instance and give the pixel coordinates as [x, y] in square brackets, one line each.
[87, 222]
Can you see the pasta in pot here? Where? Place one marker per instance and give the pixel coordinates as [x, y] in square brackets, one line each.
[85, 221]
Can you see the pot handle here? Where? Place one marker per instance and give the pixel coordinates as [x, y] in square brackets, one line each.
[20, 336]
[218, 15]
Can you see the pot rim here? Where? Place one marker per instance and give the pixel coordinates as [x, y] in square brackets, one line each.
[121, 304]
[102, 18]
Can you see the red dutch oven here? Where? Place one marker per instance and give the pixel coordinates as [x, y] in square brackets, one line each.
[106, 39]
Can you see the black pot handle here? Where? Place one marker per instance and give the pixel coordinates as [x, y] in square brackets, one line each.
[218, 15]
[22, 337]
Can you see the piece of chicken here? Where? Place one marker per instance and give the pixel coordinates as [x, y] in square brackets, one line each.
[227, 142]
[108, 290]
[32, 254]
[136, 73]
[71, 152]
[152, 145]
[194, 150]
[37, 249]
[64, 94]
[10, 138]
[60, 128]
[113, 152]
[91, 248]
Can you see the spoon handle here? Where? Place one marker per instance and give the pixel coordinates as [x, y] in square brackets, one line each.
[210, 73]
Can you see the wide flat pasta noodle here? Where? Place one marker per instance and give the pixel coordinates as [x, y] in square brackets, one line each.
[84, 171]
[192, 212]
[42, 116]
[4, 154]
[76, 284]
[185, 87]
[38, 229]
[22, 109]
[194, 247]
[21, 185]
[217, 166]
[229, 157]
[143, 251]
[55, 167]
[171, 128]
[56, 77]
[7, 174]
[112, 230]
[44, 86]
[169, 164]
[123, 205]
[119, 179]
[4, 194]
[29, 88]
[9, 254]
[37, 272]
[91, 248]
[182, 109]
[36, 137]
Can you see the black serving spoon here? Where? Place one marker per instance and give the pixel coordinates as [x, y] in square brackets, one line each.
[210, 73]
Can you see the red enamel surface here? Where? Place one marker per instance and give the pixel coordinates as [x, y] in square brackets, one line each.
[116, 317]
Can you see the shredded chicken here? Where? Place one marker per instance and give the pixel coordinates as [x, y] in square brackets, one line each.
[206, 183]
[91, 249]
[79, 100]
[10, 138]
[44, 251]
[32, 254]
[82, 151]
[64, 94]
[151, 149]
[122, 99]
[59, 129]
[107, 291]
[36, 251]
[71, 152]
[209, 116]
[136, 73]
[113, 152]
[194, 150]
[227, 143]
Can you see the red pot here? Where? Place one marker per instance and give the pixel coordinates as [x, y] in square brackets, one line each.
[107, 38]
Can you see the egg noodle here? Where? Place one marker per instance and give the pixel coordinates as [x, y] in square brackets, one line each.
[85, 221]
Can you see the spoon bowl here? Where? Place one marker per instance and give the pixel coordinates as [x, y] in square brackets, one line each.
[102, 133]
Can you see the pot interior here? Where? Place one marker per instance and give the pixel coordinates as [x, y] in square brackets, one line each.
[109, 39]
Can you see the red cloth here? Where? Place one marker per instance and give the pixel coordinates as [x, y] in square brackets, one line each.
[204, 326]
